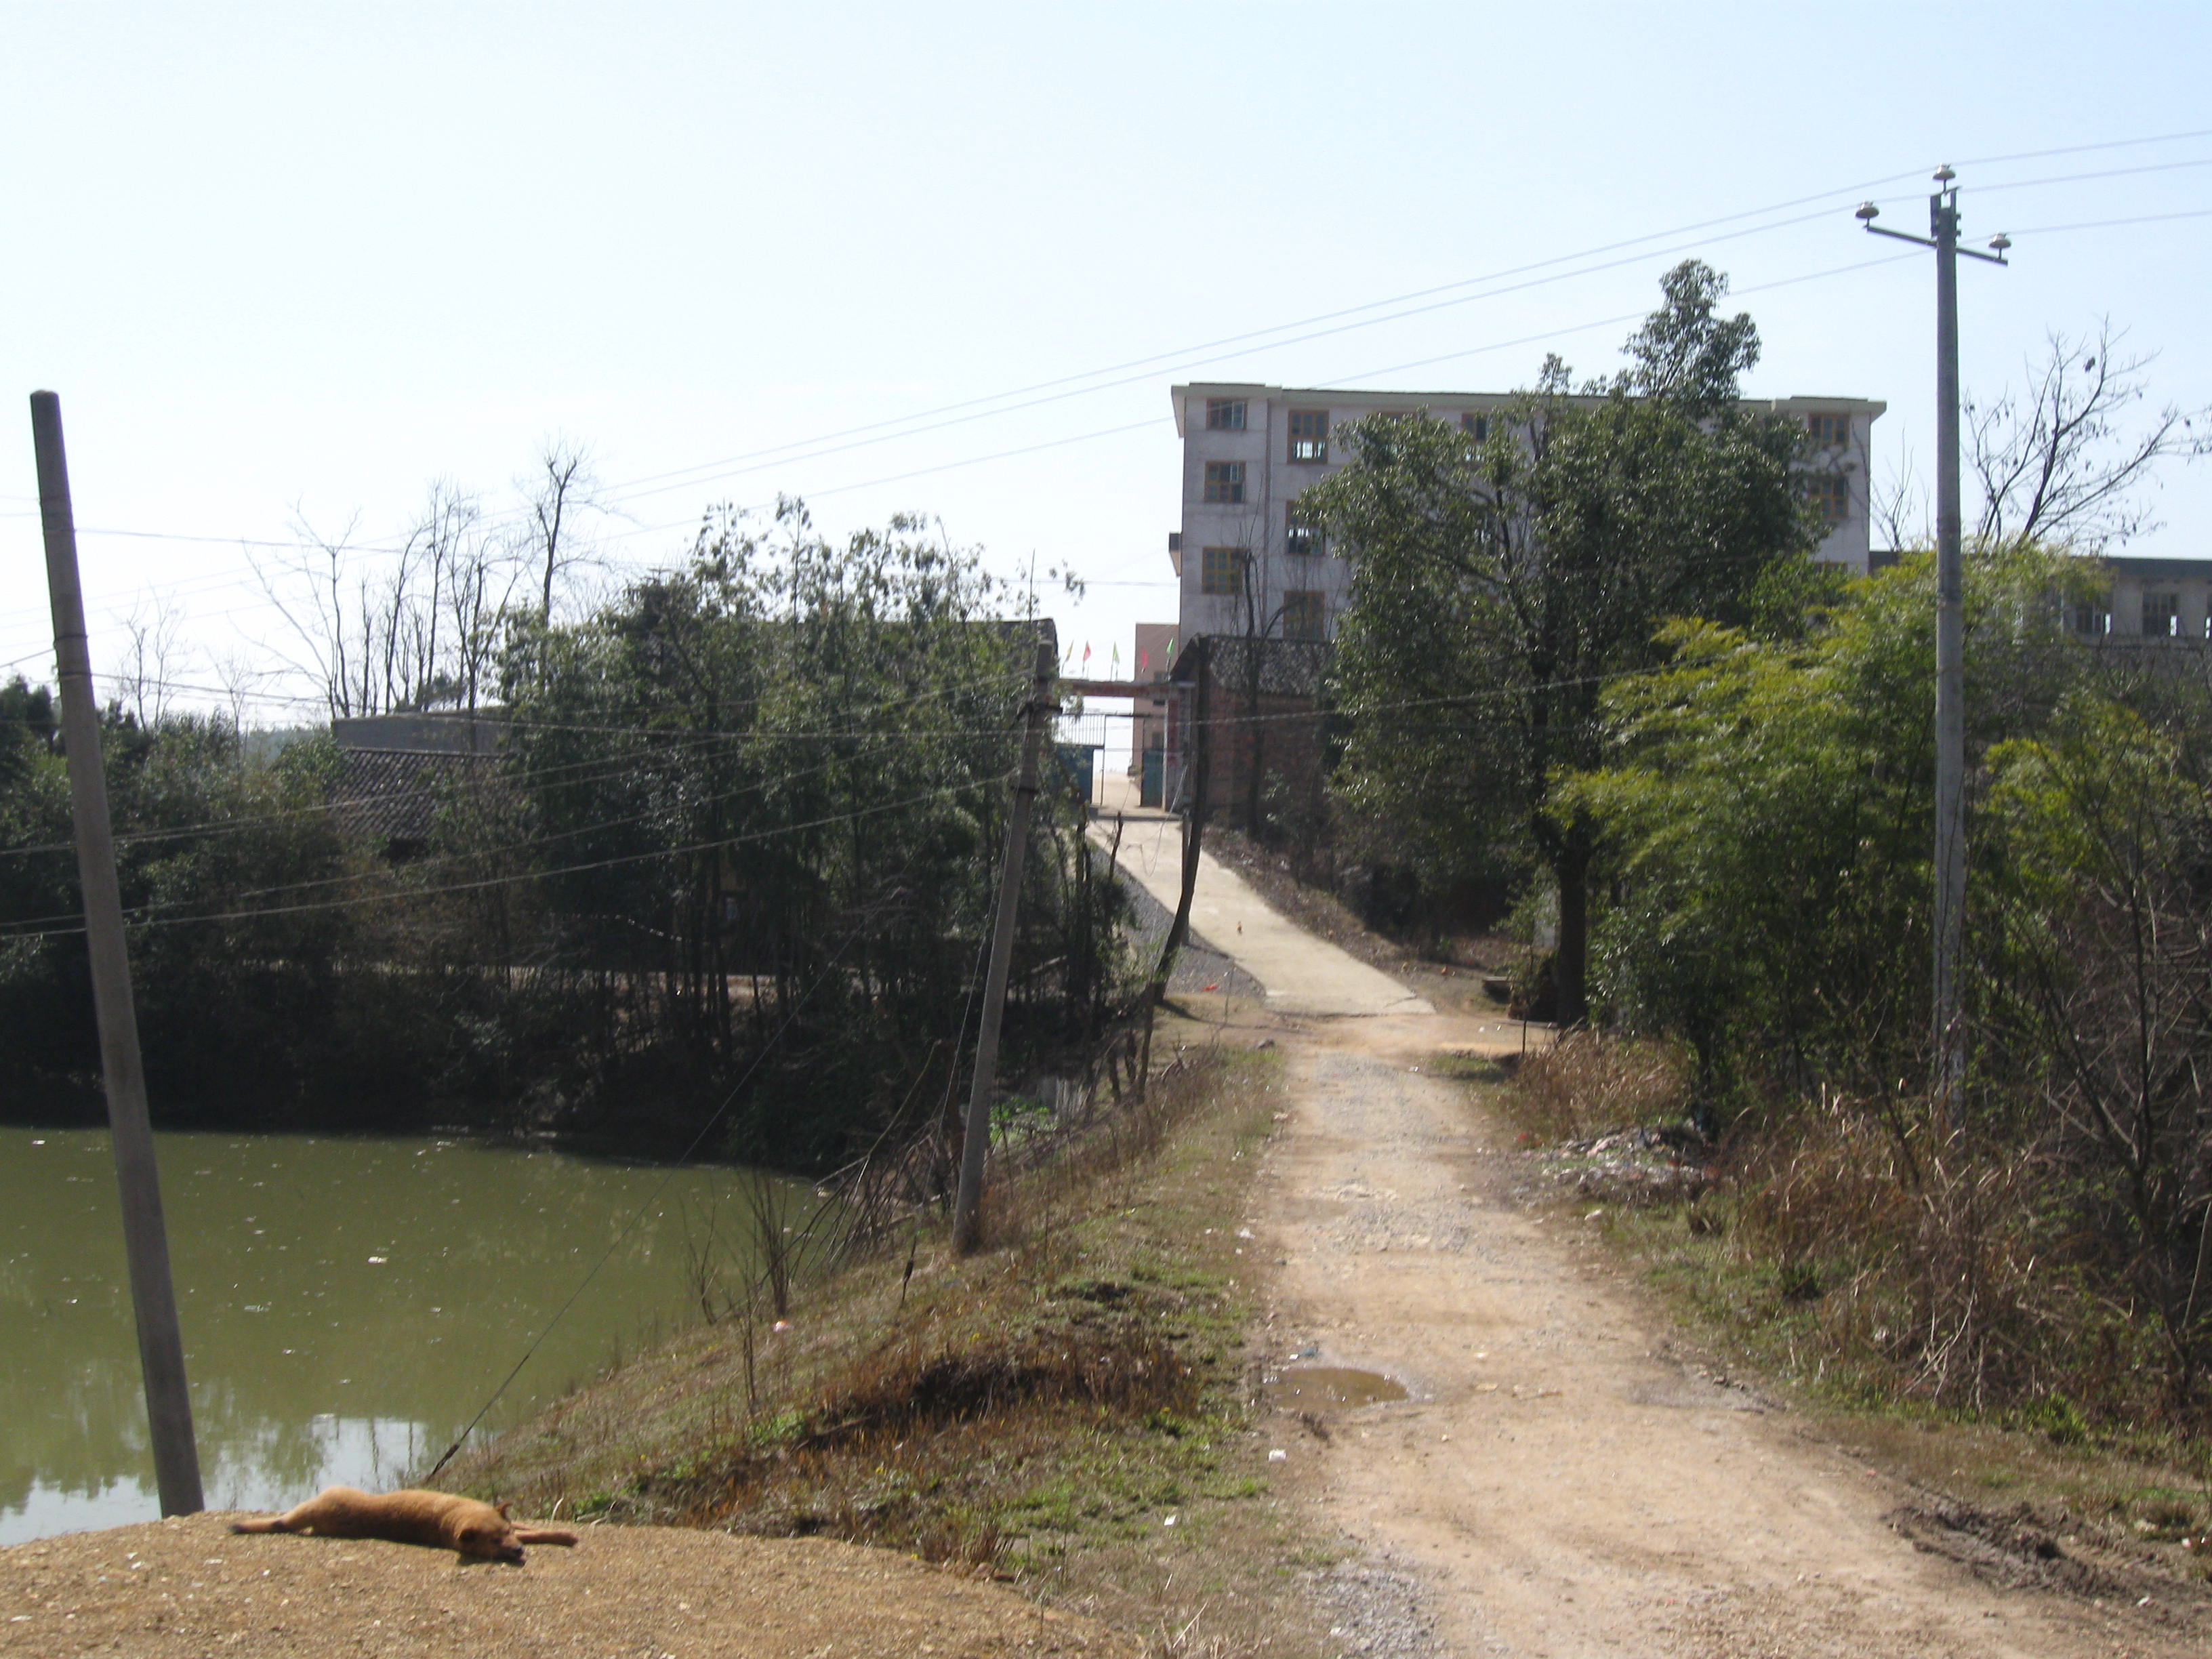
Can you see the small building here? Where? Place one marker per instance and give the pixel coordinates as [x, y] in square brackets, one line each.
[395, 770]
[1148, 722]
[1265, 732]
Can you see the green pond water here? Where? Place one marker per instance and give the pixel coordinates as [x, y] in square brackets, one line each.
[347, 1304]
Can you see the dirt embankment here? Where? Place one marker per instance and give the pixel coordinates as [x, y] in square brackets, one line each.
[188, 1589]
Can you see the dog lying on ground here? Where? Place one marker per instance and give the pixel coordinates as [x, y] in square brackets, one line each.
[477, 1530]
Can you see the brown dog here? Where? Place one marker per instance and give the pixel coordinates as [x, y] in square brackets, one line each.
[477, 1530]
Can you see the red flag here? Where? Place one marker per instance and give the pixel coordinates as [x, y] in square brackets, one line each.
[1143, 662]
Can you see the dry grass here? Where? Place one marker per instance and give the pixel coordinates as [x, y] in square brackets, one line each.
[1037, 1411]
[1917, 1306]
[1588, 1083]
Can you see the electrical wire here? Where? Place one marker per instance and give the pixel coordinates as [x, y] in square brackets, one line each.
[513, 879]
[674, 741]
[2083, 149]
[617, 491]
[759, 1059]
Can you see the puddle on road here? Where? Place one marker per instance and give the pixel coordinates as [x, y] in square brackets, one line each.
[1331, 1388]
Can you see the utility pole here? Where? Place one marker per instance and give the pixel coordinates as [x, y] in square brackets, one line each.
[1947, 1026]
[1194, 833]
[967, 1203]
[145, 1237]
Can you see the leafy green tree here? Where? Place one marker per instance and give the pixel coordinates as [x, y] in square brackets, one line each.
[776, 784]
[2099, 976]
[1499, 587]
[736, 852]
[1768, 803]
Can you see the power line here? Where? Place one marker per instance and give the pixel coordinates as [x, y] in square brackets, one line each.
[759, 1059]
[707, 472]
[1114, 431]
[675, 741]
[1251, 336]
[1266, 335]
[2109, 224]
[716, 844]
[2083, 149]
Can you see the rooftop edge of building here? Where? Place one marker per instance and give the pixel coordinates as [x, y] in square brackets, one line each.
[1796, 403]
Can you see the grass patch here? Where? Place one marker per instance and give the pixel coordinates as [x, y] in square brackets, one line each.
[1071, 1410]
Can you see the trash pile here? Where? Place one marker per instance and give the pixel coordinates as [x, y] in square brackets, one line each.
[1643, 1166]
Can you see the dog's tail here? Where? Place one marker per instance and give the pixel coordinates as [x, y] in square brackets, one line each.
[267, 1523]
[544, 1535]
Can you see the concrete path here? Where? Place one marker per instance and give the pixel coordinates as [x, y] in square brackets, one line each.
[1302, 975]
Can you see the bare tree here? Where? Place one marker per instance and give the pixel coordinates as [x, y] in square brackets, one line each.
[318, 587]
[562, 490]
[447, 604]
[1897, 508]
[152, 657]
[2068, 459]
[413, 627]
[240, 677]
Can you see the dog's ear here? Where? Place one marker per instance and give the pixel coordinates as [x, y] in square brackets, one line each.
[503, 1508]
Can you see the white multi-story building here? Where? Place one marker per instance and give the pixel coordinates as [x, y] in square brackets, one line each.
[1249, 566]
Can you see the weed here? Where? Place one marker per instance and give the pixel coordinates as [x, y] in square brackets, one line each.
[1034, 1411]
[1587, 1084]
[2058, 1420]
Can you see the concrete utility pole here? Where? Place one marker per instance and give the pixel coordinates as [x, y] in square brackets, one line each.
[145, 1238]
[968, 1202]
[1948, 1027]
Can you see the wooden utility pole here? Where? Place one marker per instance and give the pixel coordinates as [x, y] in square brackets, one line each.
[145, 1237]
[967, 1203]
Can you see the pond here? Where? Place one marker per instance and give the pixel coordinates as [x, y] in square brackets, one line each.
[347, 1304]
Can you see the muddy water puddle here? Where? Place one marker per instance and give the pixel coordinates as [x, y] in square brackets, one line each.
[1331, 1388]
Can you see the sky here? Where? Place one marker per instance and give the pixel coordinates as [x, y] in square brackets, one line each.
[287, 264]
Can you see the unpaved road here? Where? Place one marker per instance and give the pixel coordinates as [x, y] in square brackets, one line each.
[1555, 1485]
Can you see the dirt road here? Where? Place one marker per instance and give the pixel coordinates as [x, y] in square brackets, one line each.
[1556, 1484]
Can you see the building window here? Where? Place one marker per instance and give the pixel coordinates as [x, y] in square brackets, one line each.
[1829, 431]
[1305, 615]
[2162, 614]
[1225, 481]
[1221, 570]
[1301, 535]
[2089, 621]
[1831, 495]
[1476, 427]
[1225, 414]
[1309, 435]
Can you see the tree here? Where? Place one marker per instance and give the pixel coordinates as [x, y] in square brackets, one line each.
[2104, 976]
[564, 488]
[418, 626]
[1499, 587]
[1768, 804]
[2068, 462]
[152, 658]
